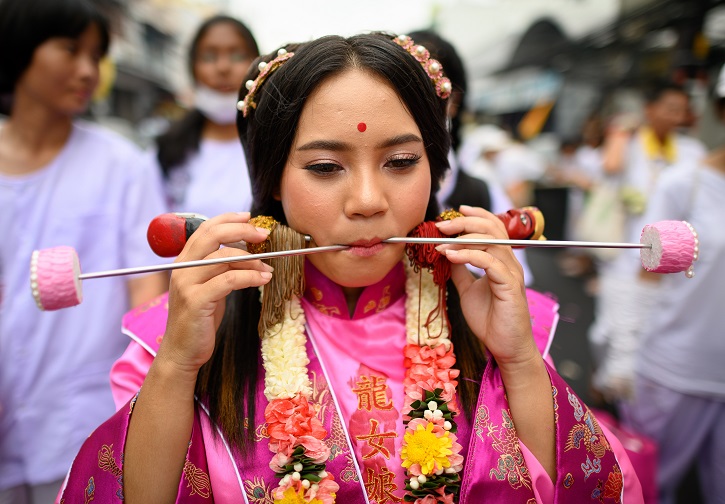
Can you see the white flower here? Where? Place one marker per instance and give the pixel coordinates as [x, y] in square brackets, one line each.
[284, 355]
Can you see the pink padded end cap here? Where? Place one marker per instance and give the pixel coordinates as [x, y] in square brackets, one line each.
[674, 247]
[54, 278]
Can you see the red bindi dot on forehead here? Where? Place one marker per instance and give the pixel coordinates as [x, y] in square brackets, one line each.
[362, 127]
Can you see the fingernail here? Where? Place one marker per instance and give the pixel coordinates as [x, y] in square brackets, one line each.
[265, 274]
[244, 214]
[451, 253]
[268, 267]
[263, 230]
[465, 207]
[442, 248]
[443, 223]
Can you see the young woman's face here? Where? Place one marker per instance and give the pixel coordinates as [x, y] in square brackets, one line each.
[357, 173]
[222, 58]
[63, 73]
[668, 112]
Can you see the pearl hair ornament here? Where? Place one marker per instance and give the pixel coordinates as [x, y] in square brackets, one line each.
[265, 69]
[432, 67]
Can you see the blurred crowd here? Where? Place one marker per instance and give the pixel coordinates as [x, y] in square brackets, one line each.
[657, 342]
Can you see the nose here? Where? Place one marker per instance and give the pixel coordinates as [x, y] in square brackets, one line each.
[367, 196]
[223, 64]
[88, 67]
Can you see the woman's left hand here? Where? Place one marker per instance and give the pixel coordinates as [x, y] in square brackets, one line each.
[494, 305]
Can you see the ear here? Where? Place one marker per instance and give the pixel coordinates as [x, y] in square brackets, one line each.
[277, 194]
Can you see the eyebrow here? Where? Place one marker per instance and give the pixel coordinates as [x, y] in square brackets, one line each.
[334, 145]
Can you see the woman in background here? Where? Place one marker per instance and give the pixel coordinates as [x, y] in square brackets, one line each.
[62, 182]
[200, 156]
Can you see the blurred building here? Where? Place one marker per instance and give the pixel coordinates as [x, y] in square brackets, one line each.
[147, 61]
[564, 59]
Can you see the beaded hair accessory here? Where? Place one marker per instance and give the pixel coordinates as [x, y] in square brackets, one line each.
[432, 67]
[265, 69]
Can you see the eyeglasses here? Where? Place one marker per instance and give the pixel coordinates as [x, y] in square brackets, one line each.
[214, 57]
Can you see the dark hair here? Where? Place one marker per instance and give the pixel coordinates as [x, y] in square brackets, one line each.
[443, 51]
[719, 105]
[229, 379]
[26, 24]
[654, 91]
[282, 97]
[184, 136]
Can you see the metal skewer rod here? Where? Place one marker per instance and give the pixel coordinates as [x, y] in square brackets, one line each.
[330, 248]
[520, 243]
[493, 241]
[207, 262]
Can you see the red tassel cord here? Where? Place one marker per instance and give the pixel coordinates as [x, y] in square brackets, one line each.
[425, 256]
[521, 224]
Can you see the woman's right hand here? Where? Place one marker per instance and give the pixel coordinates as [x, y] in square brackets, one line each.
[197, 295]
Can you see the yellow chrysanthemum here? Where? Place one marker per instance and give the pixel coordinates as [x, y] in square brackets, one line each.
[292, 497]
[425, 448]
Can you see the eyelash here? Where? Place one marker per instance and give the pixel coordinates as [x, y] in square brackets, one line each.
[400, 163]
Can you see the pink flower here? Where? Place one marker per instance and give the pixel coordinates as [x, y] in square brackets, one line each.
[315, 449]
[325, 491]
[427, 356]
[441, 497]
[430, 369]
[278, 462]
[414, 392]
[288, 419]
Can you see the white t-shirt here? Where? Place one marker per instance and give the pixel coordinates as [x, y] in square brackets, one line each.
[518, 163]
[213, 180]
[97, 196]
[642, 173]
[684, 342]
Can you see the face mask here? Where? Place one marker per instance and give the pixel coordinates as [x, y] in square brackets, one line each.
[218, 107]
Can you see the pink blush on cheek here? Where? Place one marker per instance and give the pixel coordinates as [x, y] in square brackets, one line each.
[361, 127]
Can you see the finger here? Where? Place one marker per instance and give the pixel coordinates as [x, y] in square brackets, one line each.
[462, 277]
[498, 274]
[201, 274]
[219, 287]
[222, 285]
[486, 223]
[471, 211]
[212, 234]
[503, 252]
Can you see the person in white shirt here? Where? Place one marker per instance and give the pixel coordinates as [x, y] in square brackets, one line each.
[679, 386]
[62, 182]
[634, 159]
[201, 157]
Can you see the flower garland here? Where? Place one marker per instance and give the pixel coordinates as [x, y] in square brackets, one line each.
[430, 453]
[295, 433]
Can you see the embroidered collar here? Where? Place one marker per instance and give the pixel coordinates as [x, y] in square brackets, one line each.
[328, 297]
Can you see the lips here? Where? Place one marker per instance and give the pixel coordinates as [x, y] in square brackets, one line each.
[366, 248]
[366, 243]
